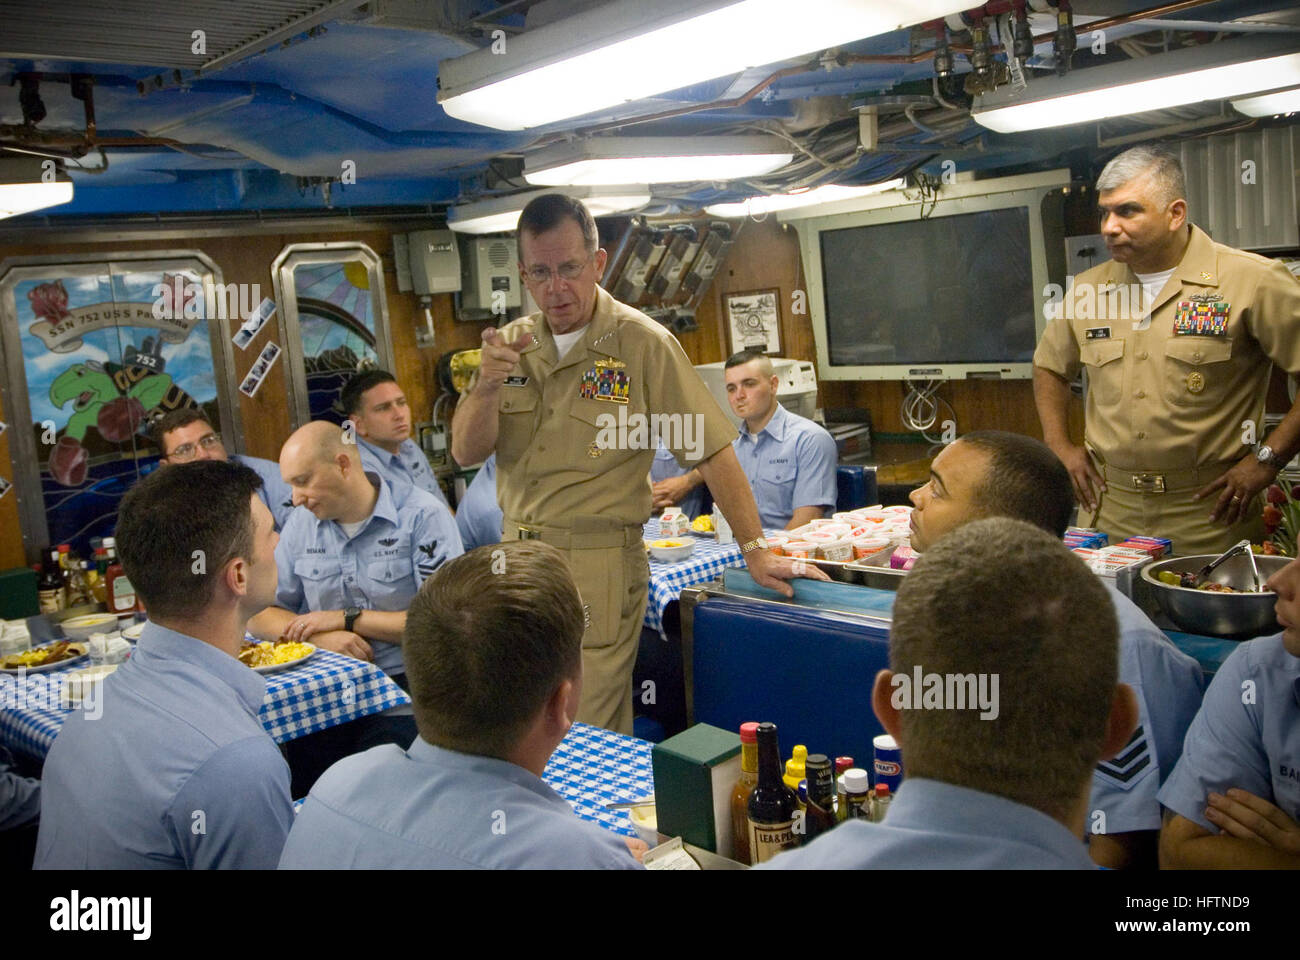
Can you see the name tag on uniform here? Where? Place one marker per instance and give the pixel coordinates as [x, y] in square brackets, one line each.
[1097, 333]
[516, 381]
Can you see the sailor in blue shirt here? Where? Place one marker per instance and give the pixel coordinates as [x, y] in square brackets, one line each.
[666, 467]
[185, 435]
[469, 793]
[789, 460]
[168, 766]
[994, 473]
[1234, 799]
[997, 775]
[1168, 685]
[478, 515]
[381, 418]
[350, 562]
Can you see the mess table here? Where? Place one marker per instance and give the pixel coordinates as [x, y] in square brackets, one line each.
[589, 769]
[668, 580]
[326, 690]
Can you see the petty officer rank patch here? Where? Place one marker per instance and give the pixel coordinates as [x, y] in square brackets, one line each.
[1201, 319]
[607, 380]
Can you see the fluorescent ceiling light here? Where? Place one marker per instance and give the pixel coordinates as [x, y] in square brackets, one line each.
[25, 186]
[501, 214]
[1270, 104]
[1213, 71]
[831, 193]
[629, 49]
[608, 160]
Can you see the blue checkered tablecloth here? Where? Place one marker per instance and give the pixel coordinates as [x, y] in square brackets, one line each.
[326, 690]
[667, 580]
[592, 767]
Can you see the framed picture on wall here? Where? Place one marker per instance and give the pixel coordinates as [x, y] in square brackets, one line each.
[754, 321]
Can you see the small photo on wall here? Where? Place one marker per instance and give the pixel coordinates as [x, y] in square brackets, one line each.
[754, 321]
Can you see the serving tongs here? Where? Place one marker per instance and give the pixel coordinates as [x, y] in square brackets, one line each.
[1199, 577]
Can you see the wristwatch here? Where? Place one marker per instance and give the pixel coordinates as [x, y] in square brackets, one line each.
[1264, 454]
[350, 617]
[752, 545]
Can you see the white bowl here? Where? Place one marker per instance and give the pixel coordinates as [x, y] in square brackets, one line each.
[645, 821]
[80, 628]
[673, 554]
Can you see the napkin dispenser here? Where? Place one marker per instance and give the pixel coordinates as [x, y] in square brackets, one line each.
[695, 773]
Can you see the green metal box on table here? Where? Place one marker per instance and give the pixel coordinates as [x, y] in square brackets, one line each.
[695, 773]
[18, 598]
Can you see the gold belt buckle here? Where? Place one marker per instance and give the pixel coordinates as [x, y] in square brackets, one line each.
[528, 533]
[1149, 482]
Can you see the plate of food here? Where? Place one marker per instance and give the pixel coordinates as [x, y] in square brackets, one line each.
[133, 632]
[46, 657]
[267, 657]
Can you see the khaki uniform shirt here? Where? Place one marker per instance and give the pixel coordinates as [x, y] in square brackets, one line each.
[574, 434]
[1173, 394]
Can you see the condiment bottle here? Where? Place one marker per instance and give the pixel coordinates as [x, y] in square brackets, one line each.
[772, 804]
[51, 589]
[119, 594]
[857, 789]
[740, 793]
[819, 815]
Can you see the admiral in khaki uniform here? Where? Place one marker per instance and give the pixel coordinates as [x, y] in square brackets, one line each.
[545, 398]
[1172, 386]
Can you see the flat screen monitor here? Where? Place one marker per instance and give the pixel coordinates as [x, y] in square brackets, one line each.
[954, 294]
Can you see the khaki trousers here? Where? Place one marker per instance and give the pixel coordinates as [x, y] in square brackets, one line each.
[610, 569]
[1127, 512]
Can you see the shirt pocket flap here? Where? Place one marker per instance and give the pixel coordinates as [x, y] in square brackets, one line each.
[1101, 353]
[589, 411]
[316, 568]
[781, 473]
[1199, 350]
[388, 571]
[516, 400]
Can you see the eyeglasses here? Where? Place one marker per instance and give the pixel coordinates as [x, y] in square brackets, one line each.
[571, 270]
[187, 451]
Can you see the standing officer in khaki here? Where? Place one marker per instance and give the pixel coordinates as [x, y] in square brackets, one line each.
[1173, 390]
[538, 400]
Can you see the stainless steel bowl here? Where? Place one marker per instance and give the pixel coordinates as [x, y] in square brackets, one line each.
[1234, 616]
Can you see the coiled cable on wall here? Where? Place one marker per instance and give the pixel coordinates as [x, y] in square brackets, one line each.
[920, 408]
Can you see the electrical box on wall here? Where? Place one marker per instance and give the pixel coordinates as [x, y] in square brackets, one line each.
[435, 262]
[489, 281]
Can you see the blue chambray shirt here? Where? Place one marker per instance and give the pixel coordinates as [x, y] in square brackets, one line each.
[1169, 685]
[178, 772]
[1246, 735]
[478, 515]
[933, 825]
[433, 808]
[275, 493]
[790, 464]
[20, 797]
[407, 537]
[665, 466]
[408, 464]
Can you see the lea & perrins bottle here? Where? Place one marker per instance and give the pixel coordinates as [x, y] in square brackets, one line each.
[772, 804]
